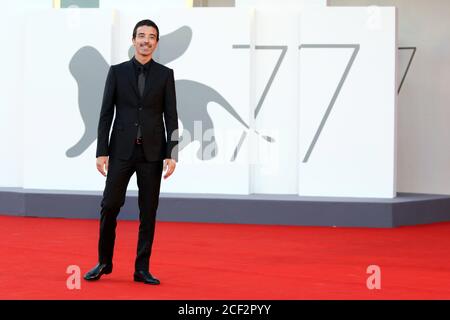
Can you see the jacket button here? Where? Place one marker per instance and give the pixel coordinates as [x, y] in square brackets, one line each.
[140, 108]
[136, 124]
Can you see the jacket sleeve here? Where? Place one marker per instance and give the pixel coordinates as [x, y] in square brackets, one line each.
[106, 114]
[171, 118]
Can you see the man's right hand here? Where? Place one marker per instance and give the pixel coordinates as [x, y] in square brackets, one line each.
[102, 164]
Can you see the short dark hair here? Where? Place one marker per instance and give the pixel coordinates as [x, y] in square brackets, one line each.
[148, 23]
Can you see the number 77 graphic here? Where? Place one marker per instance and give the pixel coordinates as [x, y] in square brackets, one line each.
[355, 48]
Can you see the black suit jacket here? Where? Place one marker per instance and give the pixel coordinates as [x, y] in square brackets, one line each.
[157, 102]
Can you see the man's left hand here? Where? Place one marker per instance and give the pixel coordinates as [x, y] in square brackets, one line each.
[169, 167]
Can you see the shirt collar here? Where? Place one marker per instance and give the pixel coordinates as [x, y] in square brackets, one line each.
[137, 64]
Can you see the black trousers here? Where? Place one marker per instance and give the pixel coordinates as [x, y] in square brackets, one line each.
[149, 181]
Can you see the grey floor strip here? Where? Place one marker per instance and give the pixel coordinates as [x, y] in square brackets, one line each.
[405, 209]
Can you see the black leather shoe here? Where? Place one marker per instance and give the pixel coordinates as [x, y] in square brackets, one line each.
[146, 277]
[96, 272]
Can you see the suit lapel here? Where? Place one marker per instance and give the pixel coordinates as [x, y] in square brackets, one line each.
[149, 81]
[132, 77]
[151, 77]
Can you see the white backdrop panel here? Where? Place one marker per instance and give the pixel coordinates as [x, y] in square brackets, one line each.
[52, 111]
[280, 4]
[275, 77]
[354, 153]
[12, 29]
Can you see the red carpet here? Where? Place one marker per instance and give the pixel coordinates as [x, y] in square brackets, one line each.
[224, 261]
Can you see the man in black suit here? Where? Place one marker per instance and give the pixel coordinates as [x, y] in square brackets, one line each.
[143, 93]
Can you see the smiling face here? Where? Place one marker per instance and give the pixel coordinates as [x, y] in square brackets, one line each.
[145, 42]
